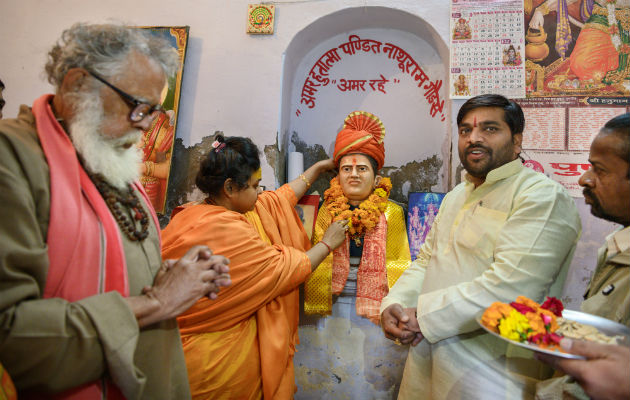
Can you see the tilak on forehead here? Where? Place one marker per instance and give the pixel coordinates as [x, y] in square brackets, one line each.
[257, 175]
[362, 133]
[475, 121]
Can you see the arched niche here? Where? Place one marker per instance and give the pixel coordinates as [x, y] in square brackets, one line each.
[377, 77]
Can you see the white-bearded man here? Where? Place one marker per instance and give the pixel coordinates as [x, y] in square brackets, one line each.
[88, 308]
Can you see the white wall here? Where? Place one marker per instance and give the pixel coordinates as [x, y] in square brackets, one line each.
[414, 132]
[232, 80]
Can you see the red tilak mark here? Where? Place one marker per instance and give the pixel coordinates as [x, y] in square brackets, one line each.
[474, 122]
[354, 162]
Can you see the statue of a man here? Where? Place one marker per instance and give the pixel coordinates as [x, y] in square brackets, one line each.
[350, 283]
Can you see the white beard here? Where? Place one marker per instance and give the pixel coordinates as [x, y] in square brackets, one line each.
[103, 155]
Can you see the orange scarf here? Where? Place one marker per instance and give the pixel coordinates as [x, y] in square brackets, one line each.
[372, 274]
[78, 213]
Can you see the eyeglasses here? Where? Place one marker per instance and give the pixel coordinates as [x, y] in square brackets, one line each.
[140, 109]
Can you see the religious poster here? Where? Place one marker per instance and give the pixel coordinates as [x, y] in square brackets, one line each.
[157, 142]
[578, 48]
[307, 208]
[558, 135]
[487, 48]
[423, 208]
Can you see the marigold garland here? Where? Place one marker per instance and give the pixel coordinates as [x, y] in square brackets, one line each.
[362, 218]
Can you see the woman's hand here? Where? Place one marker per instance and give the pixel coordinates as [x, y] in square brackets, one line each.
[325, 165]
[336, 234]
[302, 183]
[333, 238]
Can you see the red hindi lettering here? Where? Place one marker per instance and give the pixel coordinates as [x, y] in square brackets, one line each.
[319, 77]
[420, 76]
[380, 84]
[308, 100]
[570, 169]
[331, 57]
[432, 94]
[310, 87]
[353, 44]
[368, 45]
[391, 50]
[343, 85]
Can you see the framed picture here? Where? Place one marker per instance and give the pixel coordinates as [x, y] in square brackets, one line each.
[423, 207]
[307, 209]
[260, 18]
[157, 142]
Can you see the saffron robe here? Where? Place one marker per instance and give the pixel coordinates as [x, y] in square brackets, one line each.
[245, 339]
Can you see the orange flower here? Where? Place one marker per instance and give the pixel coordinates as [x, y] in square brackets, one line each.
[494, 314]
[553, 323]
[528, 302]
[536, 323]
[362, 218]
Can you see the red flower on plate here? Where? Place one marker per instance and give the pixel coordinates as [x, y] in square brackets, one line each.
[545, 339]
[554, 305]
[522, 308]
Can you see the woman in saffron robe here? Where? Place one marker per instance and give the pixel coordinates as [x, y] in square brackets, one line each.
[241, 345]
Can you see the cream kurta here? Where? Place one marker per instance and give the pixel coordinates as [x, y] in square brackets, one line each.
[48, 345]
[513, 235]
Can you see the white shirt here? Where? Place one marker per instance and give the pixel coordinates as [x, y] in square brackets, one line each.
[513, 235]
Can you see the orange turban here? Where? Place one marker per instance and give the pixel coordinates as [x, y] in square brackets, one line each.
[362, 133]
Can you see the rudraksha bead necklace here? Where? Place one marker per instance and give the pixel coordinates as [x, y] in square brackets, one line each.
[125, 207]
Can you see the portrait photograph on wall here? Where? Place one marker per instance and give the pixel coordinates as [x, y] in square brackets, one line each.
[423, 208]
[157, 142]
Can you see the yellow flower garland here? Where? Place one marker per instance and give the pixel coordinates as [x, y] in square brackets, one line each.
[362, 218]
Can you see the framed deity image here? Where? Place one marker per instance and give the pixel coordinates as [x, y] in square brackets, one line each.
[307, 209]
[157, 142]
[423, 208]
[260, 19]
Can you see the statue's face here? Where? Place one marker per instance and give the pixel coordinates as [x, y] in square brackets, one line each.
[357, 178]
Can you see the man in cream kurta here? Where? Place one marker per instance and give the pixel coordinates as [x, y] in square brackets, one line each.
[503, 232]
